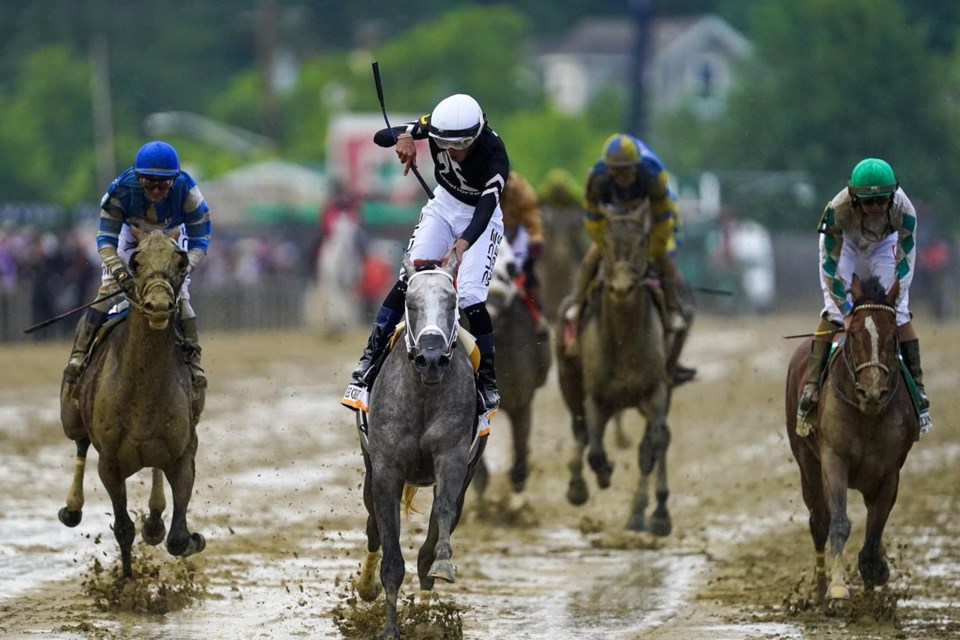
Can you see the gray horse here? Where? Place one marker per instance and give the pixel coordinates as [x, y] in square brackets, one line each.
[135, 403]
[421, 432]
[523, 362]
[622, 363]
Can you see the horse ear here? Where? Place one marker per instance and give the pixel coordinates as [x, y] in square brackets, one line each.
[408, 264]
[138, 234]
[856, 287]
[893, 293]
[173, 233]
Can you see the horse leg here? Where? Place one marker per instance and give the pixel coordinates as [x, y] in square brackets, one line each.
[367, 584]
[520, 421]
[386, 497]
[453, 477]
[660, 522]
[71, 514]
[153, 530]
[180, 475]
[123, 527]
[819, 522]
[577, 492]
[597, 455]
[873, 565]
[834, 472]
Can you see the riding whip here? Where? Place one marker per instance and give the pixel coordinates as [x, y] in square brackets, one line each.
[70, 313]
[814, 334]
[383, 108]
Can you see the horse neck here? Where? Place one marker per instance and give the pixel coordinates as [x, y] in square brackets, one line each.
[147, 351]
[625, 317]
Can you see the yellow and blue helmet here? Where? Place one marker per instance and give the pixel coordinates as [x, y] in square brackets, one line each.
[621, 150]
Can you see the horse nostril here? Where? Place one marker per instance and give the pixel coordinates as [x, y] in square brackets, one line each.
[420, 362]
[444, 361]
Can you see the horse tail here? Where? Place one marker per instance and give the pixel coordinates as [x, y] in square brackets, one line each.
[409, 491]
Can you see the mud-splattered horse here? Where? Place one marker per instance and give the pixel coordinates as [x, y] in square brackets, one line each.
[524, 357]
[135, 403]
[423, 408]
[622, 363]
[865, 427]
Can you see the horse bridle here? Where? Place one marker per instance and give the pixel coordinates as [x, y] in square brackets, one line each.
[853, 368]
[413, 342]
[154, 281]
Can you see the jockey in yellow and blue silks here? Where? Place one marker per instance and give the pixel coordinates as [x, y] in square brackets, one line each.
[152, 194]
[628, 172]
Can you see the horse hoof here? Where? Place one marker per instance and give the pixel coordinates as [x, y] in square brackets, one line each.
[197, 544]
[70, 518]
[153, 531]
[577, 493]
[368, 593]
[660, 526]
[839, 592]
[603, 477]
[637, 523]
[442, 570]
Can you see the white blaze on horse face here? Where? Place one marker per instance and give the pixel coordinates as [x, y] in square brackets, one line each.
[871, 327]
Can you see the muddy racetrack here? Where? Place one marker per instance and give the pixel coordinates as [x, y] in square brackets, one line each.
[278, 498]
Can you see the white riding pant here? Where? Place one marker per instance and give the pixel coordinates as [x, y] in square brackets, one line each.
[521, 245]
[125, 248]
[442, 221]
[881, 261]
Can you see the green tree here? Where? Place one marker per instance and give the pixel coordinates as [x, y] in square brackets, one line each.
[48, 139]
[835, 82]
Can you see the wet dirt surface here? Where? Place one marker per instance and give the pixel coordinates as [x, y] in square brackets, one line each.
[278, 497]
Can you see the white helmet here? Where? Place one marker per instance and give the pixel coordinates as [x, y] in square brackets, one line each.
[456, 122]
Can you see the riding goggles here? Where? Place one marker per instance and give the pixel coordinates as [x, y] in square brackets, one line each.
[462, 143]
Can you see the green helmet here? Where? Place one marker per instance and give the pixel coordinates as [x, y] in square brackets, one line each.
[872, 177]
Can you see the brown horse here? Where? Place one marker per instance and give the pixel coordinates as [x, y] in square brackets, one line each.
[134, 403]
[621, 364]
[523, 363]
[865, 427]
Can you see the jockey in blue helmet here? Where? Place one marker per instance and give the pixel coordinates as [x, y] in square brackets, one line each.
[152, 194]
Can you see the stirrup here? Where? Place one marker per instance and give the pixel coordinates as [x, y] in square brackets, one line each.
[356, 397]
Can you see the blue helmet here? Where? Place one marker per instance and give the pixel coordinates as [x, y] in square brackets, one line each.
[157, 159]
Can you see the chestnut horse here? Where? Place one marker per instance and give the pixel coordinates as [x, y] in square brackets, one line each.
[865, 427]
[135, 403]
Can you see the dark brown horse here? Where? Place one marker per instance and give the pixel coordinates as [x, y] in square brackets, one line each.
[621, 364]
[523, 361]
[864, 429]
[134, 403]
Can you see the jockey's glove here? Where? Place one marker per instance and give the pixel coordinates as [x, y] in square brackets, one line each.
[195, 256]
[124, 280]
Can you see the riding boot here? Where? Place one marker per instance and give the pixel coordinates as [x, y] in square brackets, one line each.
[810, 396]
[910, 351]
[87, 327]
[487, 383]
[191, 352]
[676, 325]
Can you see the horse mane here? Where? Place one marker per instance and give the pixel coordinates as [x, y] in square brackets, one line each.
[873, 292]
